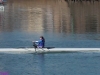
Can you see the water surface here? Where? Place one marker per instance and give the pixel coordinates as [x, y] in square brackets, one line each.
[51, 64]
[63, 24]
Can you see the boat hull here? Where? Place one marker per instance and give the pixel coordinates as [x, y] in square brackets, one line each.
[45, 50]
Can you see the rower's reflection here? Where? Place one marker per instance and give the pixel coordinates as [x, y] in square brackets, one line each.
[40, 64]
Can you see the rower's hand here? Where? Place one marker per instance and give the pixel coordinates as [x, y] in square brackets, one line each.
[33, 41]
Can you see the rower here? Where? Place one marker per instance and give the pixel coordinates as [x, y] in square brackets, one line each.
[40, 43]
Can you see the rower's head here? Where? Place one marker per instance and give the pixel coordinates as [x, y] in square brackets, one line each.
[42, 38]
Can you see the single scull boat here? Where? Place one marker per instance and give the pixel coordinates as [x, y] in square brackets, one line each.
[47, 50]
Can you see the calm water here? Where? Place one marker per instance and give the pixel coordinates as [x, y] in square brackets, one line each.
[51, 64]
[63, 24]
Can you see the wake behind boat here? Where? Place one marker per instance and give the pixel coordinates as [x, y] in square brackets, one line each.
[46, 50]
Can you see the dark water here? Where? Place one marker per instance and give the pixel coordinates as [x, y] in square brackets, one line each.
[63, 24]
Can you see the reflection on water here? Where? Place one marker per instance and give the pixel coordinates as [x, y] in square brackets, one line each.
[50, 16]
[59, 20]
[39, 64]
[85, 17]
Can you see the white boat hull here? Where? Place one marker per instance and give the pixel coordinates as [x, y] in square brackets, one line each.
[45, 50]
